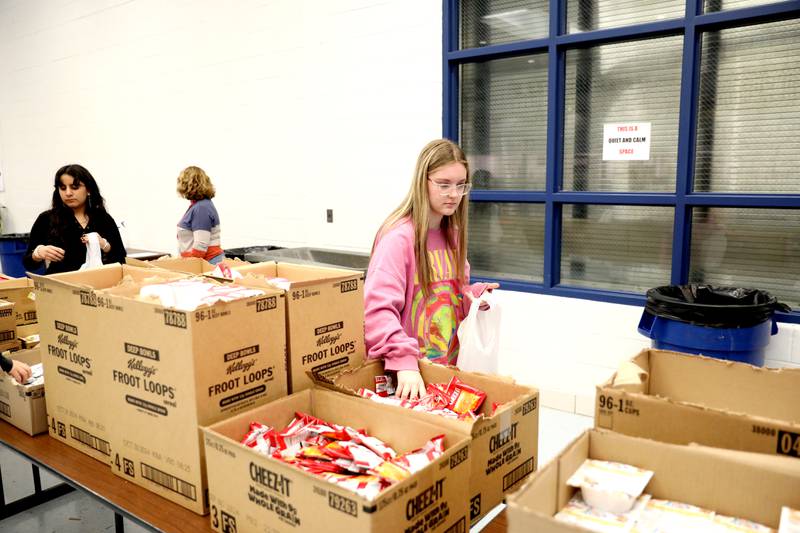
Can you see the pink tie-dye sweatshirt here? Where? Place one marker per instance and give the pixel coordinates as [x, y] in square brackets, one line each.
[402, 326]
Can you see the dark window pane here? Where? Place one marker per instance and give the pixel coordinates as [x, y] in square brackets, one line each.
[748, 113]
[485, 22]
[585, 15]
[719, 5]
[635, 81]
[757, 248]
[504, 121]
[506, 240]
[625, 248]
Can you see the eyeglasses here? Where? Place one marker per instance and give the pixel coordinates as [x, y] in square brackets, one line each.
[445, 189]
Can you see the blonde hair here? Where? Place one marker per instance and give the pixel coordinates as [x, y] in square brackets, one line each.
[194, 184]
[416, 206]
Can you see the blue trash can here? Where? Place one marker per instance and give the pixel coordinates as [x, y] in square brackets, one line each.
[12, 249]
[724, 322]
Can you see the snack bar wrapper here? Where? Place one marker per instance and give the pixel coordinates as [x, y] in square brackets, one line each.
[731, 524]
[610, 486]
[580, 513]
[666, 516]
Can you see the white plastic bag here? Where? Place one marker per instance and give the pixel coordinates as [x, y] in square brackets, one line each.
[479, 336]
[93, 256]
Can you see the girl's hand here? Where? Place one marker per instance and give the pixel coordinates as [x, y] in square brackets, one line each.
[104, 246]
[409, 384]
[20, 371]
[48, 253]
[485, 287]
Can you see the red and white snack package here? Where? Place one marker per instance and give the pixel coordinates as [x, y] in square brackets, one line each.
[419, 459]
[373, 443]
[452, 400]
[463, 398]
[259, 439]
[384, 385]
[224, 271]
[342, 455]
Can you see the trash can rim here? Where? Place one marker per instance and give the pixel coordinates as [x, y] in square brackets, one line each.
[669, 299]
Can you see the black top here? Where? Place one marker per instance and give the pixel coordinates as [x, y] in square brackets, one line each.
[70, 241]
[5, 363]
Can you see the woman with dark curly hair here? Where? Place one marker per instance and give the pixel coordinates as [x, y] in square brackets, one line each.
[59, 236]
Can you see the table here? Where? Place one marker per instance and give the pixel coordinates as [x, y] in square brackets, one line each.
[123, 497]
[97, 480]
[144, 255]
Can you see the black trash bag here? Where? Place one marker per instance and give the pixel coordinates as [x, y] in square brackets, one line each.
[715, 307]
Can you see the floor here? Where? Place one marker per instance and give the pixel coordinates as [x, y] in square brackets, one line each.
[79, 513]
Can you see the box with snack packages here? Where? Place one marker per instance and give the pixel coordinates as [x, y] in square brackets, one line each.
[322, 461]
[613, 483]
[501, 416]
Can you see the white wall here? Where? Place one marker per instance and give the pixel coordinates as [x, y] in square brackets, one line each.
[293, 107]
[566, 346]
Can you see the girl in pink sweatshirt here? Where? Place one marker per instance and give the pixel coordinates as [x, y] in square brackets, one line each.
[417, 288]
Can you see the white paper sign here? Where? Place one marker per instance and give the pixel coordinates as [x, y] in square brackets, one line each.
[626, 141]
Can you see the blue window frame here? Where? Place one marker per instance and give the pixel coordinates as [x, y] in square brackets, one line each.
[684, 197]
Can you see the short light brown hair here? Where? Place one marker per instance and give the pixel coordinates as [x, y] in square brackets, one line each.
[194, 184]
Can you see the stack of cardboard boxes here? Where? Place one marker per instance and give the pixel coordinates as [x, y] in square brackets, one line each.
[20, 292]
[160, 372]
[17, 314]
[324, 312]
[179, 390]
[163, 374]
[21, 405]
[8, 327]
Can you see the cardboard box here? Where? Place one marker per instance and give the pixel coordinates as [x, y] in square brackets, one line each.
[10, 346]
[23, 405]
[744, 485]
[679, 398]
[20, 292]
[324, 318]
[504, 446]
[253, 492]
[168, 372]
[188, 265]
[8, 323]
[28, 335]
[70, 328]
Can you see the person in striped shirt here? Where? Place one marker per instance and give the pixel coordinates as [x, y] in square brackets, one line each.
[198, 229]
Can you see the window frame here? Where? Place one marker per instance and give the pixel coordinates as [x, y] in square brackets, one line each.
[693, 24]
